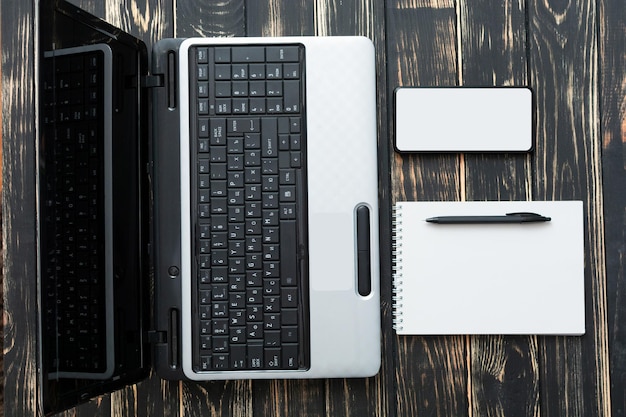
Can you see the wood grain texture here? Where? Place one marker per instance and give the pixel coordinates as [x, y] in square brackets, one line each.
[210, 18]
[504, 370]
[431, 372]
[612, 60]
[2, 254]
[504, 377]
[563, 70]
[18, 122]
[95, 7]
[148, 20]
[280, 18]
[282, 398]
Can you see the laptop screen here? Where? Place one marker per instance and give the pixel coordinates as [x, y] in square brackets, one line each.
[92, 207]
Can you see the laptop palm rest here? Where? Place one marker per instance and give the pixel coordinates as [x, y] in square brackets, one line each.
[333, 263]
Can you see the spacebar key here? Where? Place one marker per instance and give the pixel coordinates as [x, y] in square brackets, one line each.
[288, 253]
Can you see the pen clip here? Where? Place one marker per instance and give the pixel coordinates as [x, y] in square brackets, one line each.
[528, 215]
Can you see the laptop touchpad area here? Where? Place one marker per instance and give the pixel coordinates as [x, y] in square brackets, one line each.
[332, 255]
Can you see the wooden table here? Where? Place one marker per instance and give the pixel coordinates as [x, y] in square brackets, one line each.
[571, 53]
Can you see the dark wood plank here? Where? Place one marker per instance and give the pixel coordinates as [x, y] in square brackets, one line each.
[197, 18]
[431, 372]
[280, 18]
[2, 255]
[279, 398]
[148, 20]
[504, 376]
[563, 71]
[346, 18]
[612, 58]
[18, 130]
[152, 397]
[432, 376]
[95, 7]
[100, 406]
[230, 398]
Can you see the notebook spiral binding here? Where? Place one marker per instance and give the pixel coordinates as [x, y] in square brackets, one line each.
[396, 251]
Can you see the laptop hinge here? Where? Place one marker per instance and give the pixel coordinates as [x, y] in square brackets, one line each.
[150, 81]
[155, 336]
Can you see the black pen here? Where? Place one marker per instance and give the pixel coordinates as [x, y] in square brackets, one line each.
[508, 218]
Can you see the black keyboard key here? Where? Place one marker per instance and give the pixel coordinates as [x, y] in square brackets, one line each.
[205, 363]
[291, 98]
[255, 356]
[291, 71]
[274, 88]
[222, 55]
[254, 330]
[256, 71]
[282, 53]
[222, 72]
[203, 55]
[240, 106]
[295, 124]
[239, 88]
[274, 105]
[218, 131]
[274, 71]
[269, 137]
[239, 72]
[223, 88]
[205, 343]
[289, 298]
[203, 72]
[290, 356]
[273, 358]
[289, 334]
[272, 338]
[248, 54]
[256, 88]
[221, 361]
[289, 316]
[289, 262]
[223, 106]
[220, 344]
[220, 327]
[238, 356]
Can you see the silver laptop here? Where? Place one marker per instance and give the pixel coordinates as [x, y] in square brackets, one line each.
[335, 189]
[225, 202]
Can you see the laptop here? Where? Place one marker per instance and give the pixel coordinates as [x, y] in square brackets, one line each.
[208, 210]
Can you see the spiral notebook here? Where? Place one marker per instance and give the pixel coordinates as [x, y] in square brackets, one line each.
[494, 278]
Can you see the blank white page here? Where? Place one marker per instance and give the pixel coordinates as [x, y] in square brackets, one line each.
[490, 278]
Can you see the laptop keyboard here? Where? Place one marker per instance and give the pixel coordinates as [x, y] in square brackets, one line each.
[249, 203]
[72, 231]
